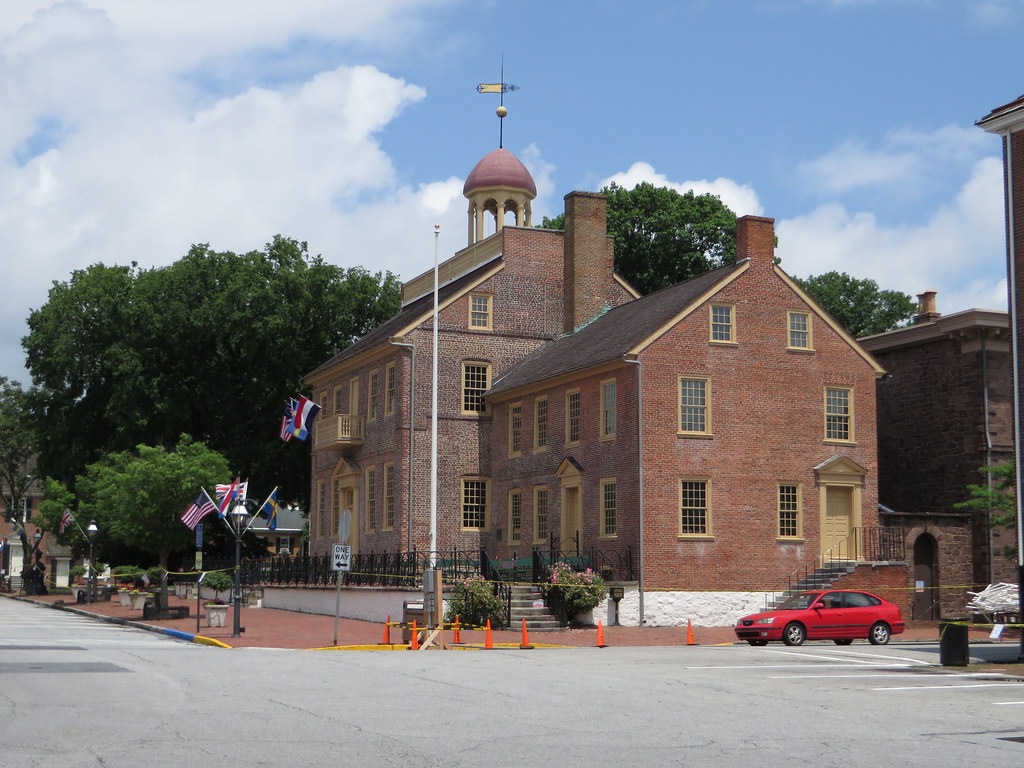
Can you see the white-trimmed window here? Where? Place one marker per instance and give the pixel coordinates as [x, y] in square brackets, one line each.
[798, 328]
[694, 506]
[515, 516]
[839, 414]
[373, 380]
[476, 379]
[389, 496]
[515, 429]
[339, 400]
[541, 520]
[572, 417]
[694, 399]
[609, 507]
[371, 499]
[540, 424]
[789, 504]
[480, 311]
[474, 503]
[609, 409]
[353, 397]
[389, 389]
[321, 508]
[723, 323]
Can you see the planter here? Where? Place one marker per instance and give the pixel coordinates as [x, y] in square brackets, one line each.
[139, 600]
[217, 615]
[125, 598]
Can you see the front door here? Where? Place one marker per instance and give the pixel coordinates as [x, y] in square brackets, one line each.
[572, 518]
[925, 606]
[836, 540]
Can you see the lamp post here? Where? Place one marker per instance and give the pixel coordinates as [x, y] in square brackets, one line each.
[28, 567]
[90, 533]
[238, 523]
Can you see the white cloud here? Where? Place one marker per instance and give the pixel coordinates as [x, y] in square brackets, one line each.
[741, 198]
[958, 251]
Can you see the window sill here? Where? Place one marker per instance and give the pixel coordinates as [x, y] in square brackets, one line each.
[698, 435]
[715, 343]
[695, 537]
[790, 540]
[848, 443]
[607, 536]
[801, 350]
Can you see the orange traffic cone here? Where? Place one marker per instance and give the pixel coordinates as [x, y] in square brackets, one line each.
[689, 633]
[415, 644]
[526, 638]
[487, 638]
[457, 634]
[600, 635]
[387, 632]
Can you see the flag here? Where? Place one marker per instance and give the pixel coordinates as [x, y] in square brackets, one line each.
[65, 521]
[286, 420]
[198, 509]
[19, 529]
[305, 413]
[225, 495]
[489, 88]
[270, 508]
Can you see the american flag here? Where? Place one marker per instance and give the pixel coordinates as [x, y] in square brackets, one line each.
[198, 509]
[65, 521]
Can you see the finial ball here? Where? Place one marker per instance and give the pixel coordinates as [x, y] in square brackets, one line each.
[501, 111]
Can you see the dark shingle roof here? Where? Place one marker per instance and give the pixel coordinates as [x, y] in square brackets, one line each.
[611, 334]
[406, 314]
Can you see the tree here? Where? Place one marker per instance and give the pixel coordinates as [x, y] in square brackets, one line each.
[859, 305]
[212, 346]
[663, 237]
[17, 456]
[137, 497]
[998, 501]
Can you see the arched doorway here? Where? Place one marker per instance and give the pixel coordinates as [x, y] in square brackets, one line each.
[926, 575]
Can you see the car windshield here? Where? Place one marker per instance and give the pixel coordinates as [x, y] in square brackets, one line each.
[799, 602]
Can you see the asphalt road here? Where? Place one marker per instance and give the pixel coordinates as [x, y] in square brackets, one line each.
[76, 692]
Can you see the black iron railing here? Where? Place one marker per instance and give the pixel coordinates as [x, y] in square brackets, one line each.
[489, 570]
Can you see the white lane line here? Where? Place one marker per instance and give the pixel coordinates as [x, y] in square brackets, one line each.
[840, 665]
[867, 658]
[1007, 703]
[940, 687]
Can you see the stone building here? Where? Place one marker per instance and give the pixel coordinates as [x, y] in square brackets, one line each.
[944, 411]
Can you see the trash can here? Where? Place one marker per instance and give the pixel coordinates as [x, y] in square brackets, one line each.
[412, 610]
[953, 643]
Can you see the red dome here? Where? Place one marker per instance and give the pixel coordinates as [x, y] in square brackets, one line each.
[500, 168]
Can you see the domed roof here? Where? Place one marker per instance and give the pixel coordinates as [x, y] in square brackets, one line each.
[500, 168]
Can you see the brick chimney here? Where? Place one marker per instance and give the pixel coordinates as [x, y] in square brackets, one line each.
[926, 312]
[755, 240]
[588, 260]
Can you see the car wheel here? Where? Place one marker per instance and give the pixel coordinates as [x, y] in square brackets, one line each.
[758, 642]
[843, 641]
[794, 634]
[879, 634]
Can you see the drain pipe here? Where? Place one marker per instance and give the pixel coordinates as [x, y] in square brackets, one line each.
[635, 360]
[412, 424]
[988, 452]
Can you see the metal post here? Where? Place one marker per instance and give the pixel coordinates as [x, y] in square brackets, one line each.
[236, 630]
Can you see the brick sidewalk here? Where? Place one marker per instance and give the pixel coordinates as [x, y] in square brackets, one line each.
[275, 628]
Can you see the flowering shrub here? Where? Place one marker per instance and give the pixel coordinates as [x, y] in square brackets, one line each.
[578, 591]
[474, 602]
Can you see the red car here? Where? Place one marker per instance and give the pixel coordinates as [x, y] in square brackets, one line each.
[840, 615]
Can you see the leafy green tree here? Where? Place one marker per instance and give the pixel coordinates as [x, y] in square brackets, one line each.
[17, 453]
[859, 305]
[211, 346]
[663, 237]
[137, 497]
[999, 501]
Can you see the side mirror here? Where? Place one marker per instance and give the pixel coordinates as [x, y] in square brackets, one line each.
[818, 605]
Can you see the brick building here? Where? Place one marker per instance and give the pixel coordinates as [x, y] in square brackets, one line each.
[944, 411]
[720, 431]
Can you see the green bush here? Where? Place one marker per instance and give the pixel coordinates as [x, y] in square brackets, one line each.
[474, 602]
[218, 581]
[578, 591]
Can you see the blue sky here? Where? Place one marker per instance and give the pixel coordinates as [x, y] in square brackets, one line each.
[133, 129]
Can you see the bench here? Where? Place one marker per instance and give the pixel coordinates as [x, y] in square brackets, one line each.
[151, 612]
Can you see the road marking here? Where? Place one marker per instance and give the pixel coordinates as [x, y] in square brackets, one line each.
[938, 687]
[1007, 703]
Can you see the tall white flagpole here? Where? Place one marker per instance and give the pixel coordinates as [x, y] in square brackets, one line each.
[433, 415]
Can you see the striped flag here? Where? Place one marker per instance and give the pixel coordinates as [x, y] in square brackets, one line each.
[286, 420]
[225, 495]
[65, 521]
[270, 508]
[19, 529]
[305, 413]
[198, 509]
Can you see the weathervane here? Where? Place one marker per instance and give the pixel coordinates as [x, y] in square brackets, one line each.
[501, 89]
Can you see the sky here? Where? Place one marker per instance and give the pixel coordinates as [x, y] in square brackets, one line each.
[132, 129]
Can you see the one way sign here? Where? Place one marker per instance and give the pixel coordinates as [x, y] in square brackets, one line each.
[342, 560]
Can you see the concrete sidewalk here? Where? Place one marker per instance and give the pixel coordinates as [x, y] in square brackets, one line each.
[275, 628]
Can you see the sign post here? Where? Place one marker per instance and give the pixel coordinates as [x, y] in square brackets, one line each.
[341, 562]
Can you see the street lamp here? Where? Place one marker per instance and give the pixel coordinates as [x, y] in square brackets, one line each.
[239, 524]
[90, 533]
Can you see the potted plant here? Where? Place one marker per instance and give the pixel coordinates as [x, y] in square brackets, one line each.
[575, 592]
[217, 609]
[138, 598]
